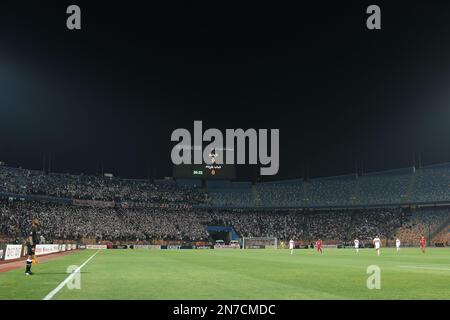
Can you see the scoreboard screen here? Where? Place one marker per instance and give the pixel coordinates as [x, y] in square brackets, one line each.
[215, 168]
[205, 171]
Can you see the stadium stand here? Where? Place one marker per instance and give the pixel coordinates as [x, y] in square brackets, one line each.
[29, 182]
[425, 221]
[432, 184]
[65, 221]
[395, 187]
[336, 209]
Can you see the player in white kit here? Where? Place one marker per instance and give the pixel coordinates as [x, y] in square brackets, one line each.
[357, 245]
[291, 246]
[377, 244]
[397, 244]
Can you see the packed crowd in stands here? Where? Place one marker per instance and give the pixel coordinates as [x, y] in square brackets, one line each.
[330, 225]
[424, 224]
[77, 222]
[403, 186]
[143, 211]
[61, 222]
[30, 182]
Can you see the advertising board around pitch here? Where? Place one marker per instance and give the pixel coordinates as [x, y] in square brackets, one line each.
[13, 251]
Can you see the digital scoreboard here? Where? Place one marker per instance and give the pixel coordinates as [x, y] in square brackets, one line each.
[205, 171]
[213, 169]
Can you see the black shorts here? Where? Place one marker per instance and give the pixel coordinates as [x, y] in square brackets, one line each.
[30, 249]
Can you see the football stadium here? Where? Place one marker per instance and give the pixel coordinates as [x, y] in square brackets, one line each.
[224, 160]
[227, 240]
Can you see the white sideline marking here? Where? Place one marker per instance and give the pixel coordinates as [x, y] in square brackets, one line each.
[66, 280]
[427, 268]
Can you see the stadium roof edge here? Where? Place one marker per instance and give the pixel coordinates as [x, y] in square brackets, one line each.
[287, 181]
[348, 175]
[390, 171]
[443, 164]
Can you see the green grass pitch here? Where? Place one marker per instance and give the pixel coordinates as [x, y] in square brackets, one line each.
[238, 274]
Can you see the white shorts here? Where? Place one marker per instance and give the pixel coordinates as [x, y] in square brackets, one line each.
[377, 246]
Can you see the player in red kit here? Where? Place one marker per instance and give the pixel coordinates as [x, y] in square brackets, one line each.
[319, 246]
[423, 243]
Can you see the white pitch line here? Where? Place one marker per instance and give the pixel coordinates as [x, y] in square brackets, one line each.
[62, 284]
[426, 268]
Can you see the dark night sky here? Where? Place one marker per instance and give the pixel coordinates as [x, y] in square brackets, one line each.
[115, 90]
